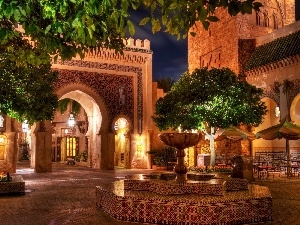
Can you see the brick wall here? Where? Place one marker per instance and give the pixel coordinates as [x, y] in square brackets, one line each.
[216, 47]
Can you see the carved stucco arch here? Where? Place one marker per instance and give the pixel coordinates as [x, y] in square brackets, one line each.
[273, 6]
[269, 92]
[294, 98]
[83, 94]
[280, 9]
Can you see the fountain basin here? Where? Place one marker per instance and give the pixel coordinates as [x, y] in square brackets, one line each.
[180, 140]
[211, 187]
[253, 205]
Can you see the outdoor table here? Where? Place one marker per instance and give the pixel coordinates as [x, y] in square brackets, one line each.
[263, 170]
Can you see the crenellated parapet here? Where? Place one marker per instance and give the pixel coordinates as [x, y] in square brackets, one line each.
[137, 43]
[135, 51]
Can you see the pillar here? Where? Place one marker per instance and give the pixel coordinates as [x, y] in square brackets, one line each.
[107, 151]
[42, 159]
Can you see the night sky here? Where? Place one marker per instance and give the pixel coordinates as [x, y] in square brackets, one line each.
[170, 55]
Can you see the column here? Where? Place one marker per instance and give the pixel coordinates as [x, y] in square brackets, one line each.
[42, 161]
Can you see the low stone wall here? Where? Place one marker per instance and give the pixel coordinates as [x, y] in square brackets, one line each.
[214, 187]
[16, 186]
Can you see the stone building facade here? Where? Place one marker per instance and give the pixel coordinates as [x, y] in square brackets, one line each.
[235, 41]
[114, 124]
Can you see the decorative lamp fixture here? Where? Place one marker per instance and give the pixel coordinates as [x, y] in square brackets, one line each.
[71, 120]
[277, 111]
[116, 127]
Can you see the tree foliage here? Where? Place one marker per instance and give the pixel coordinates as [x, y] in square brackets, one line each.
[68, 27]
[177, 17]
[211, 98]
[26, 92]
[63, 106]
[165, 83]
[34, 32]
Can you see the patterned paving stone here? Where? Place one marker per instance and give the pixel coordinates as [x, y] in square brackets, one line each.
[67, 196]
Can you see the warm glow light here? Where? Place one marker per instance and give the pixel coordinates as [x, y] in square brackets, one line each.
[25, 126]
[139, 140]
[71, 121]
[122, 123]
[3, 139]
[277, 111]
[179, 129]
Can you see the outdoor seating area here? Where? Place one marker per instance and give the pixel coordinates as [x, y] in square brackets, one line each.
[224, 160]
[268, 164]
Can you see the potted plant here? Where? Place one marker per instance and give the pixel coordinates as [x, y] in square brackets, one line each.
[161, 157]
[24, 151]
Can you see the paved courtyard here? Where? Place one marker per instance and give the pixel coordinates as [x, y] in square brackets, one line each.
[67, 196]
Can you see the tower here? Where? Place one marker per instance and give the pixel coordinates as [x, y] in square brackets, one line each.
[229, 42]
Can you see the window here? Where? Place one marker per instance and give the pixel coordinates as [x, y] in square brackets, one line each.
[71, 146]
[275, 21]
[258, 22]
[266, 19]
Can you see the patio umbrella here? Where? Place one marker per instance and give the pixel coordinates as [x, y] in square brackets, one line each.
[233, 133]
[287, 130]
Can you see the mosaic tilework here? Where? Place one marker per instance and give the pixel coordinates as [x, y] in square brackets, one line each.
[16, 186]
[233, 184]
[212, 187]
[234, 207]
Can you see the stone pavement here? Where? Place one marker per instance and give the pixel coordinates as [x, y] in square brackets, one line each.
[67, 196]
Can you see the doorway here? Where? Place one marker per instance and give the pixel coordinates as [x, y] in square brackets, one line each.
[67, 147]
[122, 143]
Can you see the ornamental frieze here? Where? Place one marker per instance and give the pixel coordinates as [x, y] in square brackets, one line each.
[111, 55]
[107, 85]
[295, 90]
[270, 92]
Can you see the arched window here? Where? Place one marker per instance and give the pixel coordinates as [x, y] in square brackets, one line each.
[275, 21]
[266, 19]
[258, 19]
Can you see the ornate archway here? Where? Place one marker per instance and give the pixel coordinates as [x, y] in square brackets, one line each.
[91, 124]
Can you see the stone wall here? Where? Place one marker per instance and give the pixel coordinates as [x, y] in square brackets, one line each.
[230, 42]
[216, 47]
[111, 85]
[220, 45]
[156, 143]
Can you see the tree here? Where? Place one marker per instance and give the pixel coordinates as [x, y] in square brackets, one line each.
[209, 99]
[26, 92]
[165, 83]
[33, 32]
[68, 27]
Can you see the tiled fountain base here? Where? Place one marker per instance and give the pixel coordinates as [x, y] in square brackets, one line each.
[212, 187]
[16, 186]
[233, 207]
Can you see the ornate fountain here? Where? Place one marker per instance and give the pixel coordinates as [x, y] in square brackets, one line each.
[180, 141]
[147, 198]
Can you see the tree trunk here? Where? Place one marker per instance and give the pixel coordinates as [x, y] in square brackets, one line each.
[212, 147]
